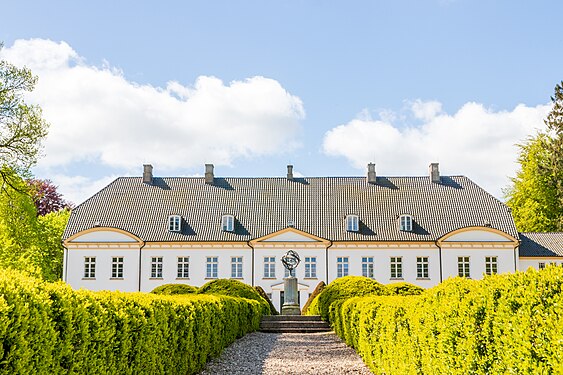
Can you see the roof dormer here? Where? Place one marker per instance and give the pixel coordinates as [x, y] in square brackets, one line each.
[352, 223]
[174, 223]
[405, 223]
[228, 223]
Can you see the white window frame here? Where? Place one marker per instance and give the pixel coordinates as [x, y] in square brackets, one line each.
[463, 266]
[342, 266]
[89, 267]
[352, 223]
[228, 223]
[422, 267]
[270, 267]
[491, 265]
[156, 267]
[236, 267]
[117, 267]
[310, 267]
[368, 267]
[212, 267]
[405, 223]
[286, 272]
[174, 223]
[183, 268]
[396, 267]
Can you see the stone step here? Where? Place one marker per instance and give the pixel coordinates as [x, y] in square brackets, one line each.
[301, 318]
[293, 324]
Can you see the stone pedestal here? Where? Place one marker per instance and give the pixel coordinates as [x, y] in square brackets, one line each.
[290, 305]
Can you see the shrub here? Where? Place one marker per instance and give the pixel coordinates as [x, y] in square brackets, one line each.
[507, 323]
[263, 294]
[342, 289]
[234, 288]
[404, 289]
[320, 287]
[172, 289]
[50, 328]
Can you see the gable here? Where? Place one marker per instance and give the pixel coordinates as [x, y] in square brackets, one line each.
[477, 234]
[290, 235]
[103, 235]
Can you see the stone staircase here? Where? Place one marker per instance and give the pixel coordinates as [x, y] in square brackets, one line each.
[293, 324]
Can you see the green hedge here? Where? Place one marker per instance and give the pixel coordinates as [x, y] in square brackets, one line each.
[172, 289]
[235, 288]
[503, 324]
[51, 329]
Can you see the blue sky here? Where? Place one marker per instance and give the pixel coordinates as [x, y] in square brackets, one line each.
[327, 86]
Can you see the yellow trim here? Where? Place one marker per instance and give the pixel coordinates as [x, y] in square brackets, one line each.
[293, 230]
[542, 258]
[100, 229]
[512, 240]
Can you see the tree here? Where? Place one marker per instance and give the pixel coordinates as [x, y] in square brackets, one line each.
[21, 125]
[46, 197]
[536, 194]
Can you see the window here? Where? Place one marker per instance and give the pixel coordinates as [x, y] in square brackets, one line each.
[270, 267]
[183, 268]
[89, 267]
[286, 273]
[117, 267]
[367, 267]
[341, 266]
[463, 266]
[236, 267]
[352, 223]
[212, 267]
[405, 223]
[228, 223]
[491, 265]
[541, 265]
[310, 267]
[174, 223]
[396, 267]
[422, 267]
[156, 267]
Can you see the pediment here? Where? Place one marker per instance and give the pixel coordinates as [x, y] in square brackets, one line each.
[104, 235]
[290, 235]
[477, 234]
[281, 286]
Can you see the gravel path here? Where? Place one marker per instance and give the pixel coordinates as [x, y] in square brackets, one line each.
[287, 354]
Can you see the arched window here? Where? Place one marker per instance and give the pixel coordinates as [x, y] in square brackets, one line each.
[405, 223]
[228, 223]
[174, 223]
[352, 223]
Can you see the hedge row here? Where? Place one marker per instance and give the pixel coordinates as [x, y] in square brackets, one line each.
[50, 328]
[503, 324]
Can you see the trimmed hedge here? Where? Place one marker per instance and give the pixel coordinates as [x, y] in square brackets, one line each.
[342, 289]
[49, 328]
[234, 288]
[511, 323]
[263, 294]
[318, 289]
[404, 289]
[172, 289]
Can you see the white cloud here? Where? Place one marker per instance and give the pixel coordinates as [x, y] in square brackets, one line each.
[79, 188]
[97, 115]
[475, 141]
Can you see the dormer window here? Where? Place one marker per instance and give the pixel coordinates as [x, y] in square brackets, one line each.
[174, 223]
[228, 223]
[352, 223]
[405, 223]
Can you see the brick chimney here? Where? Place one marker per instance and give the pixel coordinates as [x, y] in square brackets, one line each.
[371, 178]
[434, 172]
[290, 172]
[209, 177]
[147, 174]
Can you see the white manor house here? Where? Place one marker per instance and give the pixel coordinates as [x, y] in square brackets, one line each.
[139, 233]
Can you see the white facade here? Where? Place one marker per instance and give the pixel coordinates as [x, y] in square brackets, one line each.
[148, 265]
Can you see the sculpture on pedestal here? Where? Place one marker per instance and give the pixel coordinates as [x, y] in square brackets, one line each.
[290, 305]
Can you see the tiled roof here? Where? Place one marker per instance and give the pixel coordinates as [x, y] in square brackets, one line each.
[541, 244]
[316, 205]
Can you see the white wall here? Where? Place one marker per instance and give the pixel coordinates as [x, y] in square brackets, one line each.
[526, 263]
[505, 260]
